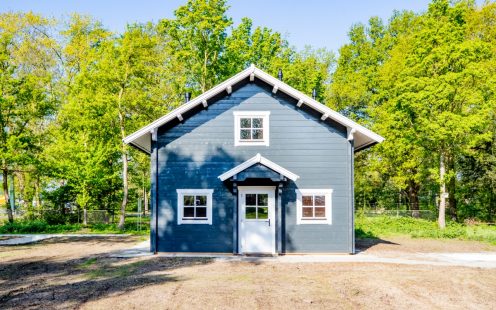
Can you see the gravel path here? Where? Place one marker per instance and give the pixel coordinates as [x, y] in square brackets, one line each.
[32, 238]
[475, 260]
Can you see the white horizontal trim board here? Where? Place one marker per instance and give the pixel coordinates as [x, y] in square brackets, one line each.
[140, 137]
[255, 160]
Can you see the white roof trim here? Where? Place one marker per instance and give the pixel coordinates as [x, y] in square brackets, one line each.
[258, 159]
[278, 85]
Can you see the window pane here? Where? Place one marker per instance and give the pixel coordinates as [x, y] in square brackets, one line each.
[307, 212]
[251, 213]
[257, 123]
[189, 200]
[245, 134]
[263, 213]
[251, 199]
[201, 200]
[320, 212]
[201, 212]
[320, 200]
[189, 212]
[307, 200]
[257, 134]
[246, 123]
[263, 199]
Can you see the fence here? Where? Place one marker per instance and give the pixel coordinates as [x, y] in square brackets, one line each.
[423, 214]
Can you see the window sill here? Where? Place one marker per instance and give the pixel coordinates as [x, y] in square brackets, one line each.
[313, 221]
[194, 221]
[251, 143]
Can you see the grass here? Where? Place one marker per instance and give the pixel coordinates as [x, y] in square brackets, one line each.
[39, 227]
[383, 226]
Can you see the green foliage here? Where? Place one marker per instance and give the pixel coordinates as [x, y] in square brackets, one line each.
[383, 226]
[37, 227]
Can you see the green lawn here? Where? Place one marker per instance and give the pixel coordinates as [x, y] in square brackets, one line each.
[39, 226]
[383, 226]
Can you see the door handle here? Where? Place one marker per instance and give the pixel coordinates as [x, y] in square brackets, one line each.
[269, 222]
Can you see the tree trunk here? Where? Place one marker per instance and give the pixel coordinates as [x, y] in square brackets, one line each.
[124, 190]
[37, 195]
[85, 217]
[145, 201]
[451, 193]
[6, 195]
[413, 190]
[442, 193]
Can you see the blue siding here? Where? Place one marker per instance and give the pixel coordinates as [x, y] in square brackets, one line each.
[194, 153]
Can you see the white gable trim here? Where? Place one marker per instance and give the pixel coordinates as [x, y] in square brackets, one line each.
[226, 86]
[258, 159]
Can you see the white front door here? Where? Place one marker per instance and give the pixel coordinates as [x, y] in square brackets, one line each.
[257, 219]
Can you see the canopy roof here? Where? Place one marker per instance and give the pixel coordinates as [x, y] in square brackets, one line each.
[362, 136]
[258, 159]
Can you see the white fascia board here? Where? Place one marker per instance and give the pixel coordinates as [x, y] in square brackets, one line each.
[255, 160]
[250, 72]
[316, 105]
[188, 106]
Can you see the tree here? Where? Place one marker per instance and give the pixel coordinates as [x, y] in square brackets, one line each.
[27, 63]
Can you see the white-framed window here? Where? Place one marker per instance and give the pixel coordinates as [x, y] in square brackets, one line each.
[194, 206]
[251, 128]
[313, 206]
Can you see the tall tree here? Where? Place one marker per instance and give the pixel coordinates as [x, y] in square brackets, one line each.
[27, 62]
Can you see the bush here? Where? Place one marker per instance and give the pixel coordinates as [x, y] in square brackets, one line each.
[36, 226]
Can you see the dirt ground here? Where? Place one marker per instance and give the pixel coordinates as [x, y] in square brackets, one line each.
[80, 274]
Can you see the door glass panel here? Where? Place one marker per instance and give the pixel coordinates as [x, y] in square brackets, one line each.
[307, 212]
[320, 212]
[263, 213]
[319, 201]
[251, 199]
[189, 212]
[251, 213]
[263, 199]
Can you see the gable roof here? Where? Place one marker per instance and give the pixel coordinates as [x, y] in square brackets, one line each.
[258, 159]
[362, 136]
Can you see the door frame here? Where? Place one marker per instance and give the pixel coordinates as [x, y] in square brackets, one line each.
[272, 214]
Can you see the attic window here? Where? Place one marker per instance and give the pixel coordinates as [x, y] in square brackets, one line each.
[251, 128]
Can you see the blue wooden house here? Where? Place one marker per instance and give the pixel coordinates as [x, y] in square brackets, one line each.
[252, 166]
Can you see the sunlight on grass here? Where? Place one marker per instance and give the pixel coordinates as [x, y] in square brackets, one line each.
[384, 226]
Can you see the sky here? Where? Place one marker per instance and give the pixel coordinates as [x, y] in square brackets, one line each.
[319, 23]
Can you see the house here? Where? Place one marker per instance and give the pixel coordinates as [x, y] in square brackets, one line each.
[252, 166]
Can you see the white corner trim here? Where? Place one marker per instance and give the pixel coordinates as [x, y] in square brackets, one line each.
[299, 205]
[154, 134]
[255, 160]
[266, 128]
[370, 137]
[180, 210]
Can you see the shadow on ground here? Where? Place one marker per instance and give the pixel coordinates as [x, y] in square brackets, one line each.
[363, 244]
[52, 282]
